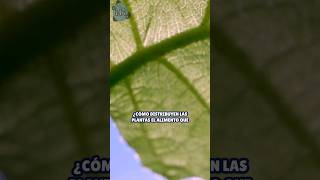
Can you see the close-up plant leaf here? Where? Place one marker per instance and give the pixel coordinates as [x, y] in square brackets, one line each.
[52, 91]
[267, 86]
[160, 61]
[53, 85]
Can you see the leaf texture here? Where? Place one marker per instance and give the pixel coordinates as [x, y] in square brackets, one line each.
[52, 110]
[266, 97]
[161, 62]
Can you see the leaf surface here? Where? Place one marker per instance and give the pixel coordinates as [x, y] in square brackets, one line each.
[52, 111]
[266, 71]
[161, 62]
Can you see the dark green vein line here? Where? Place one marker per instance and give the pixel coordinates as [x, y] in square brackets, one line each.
[185, 81]
[136, 108]
[131, 95]
[147, 28]
[241, 61]
[134, 27]
[154, 52]
[206, 18]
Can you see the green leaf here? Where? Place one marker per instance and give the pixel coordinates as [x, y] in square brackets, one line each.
[267, 100]
[52, 111]
[161, 62]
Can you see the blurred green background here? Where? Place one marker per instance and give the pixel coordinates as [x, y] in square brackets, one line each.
[266, 86]
[53, 100]
[53, 87]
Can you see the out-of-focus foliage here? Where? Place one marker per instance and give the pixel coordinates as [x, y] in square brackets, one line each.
[53, 109]
[177, 80]
[280, 41]
[267, 85]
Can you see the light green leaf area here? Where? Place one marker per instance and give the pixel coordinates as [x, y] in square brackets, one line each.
[160, 61]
